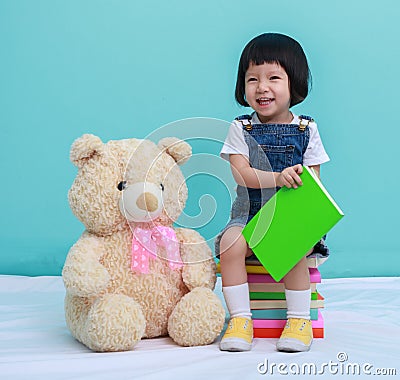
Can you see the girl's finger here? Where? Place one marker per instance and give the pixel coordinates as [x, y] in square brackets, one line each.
[298, 180]
[289, 183]
[298, 168]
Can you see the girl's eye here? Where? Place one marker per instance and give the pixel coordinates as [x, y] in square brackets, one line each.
[162, 187]
[251, 80]
[274, 77]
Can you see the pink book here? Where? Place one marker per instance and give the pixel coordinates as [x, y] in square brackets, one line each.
[315, 276]
[280, 323]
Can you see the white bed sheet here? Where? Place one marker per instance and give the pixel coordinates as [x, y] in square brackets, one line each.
[361, 321]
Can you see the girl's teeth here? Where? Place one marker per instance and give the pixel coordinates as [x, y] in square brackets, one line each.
[264, 101]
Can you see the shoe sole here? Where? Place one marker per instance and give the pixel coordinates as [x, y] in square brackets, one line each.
[234, 345]
[292, 345]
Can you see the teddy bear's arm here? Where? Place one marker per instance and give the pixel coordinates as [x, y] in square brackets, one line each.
[200, 267]
[83, 275]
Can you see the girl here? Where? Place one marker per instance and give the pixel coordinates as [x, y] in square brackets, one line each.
[266, 151]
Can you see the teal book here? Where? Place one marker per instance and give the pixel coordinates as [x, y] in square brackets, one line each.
[291, 223]
[278, 314]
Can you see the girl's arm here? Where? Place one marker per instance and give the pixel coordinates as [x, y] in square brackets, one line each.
[247, 176]
[317, 169]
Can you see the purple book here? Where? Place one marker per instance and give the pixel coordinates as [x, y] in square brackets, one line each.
[315, 276]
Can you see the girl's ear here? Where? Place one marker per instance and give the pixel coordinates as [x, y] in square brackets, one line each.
[84, 148]
[178, 149]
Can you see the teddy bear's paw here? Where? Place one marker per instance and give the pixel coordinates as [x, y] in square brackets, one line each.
[83, 275]
[76, 279]
[200, 274]
[115, 323]
[197, 319]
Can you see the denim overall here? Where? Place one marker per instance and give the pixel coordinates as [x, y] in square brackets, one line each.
[272, 147]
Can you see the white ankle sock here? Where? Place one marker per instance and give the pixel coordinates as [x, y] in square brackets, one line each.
[237, 300]
[298, 303]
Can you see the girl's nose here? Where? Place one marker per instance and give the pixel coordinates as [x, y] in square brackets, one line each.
[263, 86]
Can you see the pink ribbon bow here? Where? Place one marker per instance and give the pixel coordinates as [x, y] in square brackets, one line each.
[144, 246]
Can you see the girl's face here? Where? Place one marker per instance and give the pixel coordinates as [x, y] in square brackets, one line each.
[268, 92]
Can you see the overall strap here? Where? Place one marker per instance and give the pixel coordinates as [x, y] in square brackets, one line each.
[245, 120]
[304, 122]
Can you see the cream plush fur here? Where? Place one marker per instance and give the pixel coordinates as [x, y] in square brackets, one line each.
[109, 307]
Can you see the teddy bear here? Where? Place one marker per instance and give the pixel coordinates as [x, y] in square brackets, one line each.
[132, 274]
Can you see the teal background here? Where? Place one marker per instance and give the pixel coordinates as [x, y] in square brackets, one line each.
[122, 69]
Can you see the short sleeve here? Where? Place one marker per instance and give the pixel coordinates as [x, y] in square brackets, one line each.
[315, 153]
[234, 142]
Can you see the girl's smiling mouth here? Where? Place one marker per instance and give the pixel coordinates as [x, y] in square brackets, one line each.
[264, 101]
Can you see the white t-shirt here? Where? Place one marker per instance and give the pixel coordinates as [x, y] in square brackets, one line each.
[235, 144]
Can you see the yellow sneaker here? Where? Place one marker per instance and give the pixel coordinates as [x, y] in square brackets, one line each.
[238, 336]
[296, 336]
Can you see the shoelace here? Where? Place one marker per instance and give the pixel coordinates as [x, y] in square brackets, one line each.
[301, 328]
[230, 326]
[287, 324]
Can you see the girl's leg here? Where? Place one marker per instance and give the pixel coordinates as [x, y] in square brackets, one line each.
[298, 277]
[234, 249]
[297, 334]
[297, 290]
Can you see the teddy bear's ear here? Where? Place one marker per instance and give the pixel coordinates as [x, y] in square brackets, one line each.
[84, 148]
[178, 149]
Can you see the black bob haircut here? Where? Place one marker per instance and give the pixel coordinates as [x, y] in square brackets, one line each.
[280, 49]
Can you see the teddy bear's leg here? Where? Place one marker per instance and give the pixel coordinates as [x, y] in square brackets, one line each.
[114, 322]
[197, 319]
[76, 312]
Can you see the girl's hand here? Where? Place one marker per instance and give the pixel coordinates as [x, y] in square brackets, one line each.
[289, 177]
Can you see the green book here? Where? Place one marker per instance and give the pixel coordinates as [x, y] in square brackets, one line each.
[291, 223]
[274, 296]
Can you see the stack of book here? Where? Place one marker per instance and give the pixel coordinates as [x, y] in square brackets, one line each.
[268, 303]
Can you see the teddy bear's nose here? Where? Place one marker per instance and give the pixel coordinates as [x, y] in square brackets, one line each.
[147, 202]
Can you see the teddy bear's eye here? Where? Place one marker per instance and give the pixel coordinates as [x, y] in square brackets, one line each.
[162, 186]
[122, 185]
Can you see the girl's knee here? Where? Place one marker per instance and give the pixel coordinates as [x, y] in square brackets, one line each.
[233, 242]
[299, 270]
